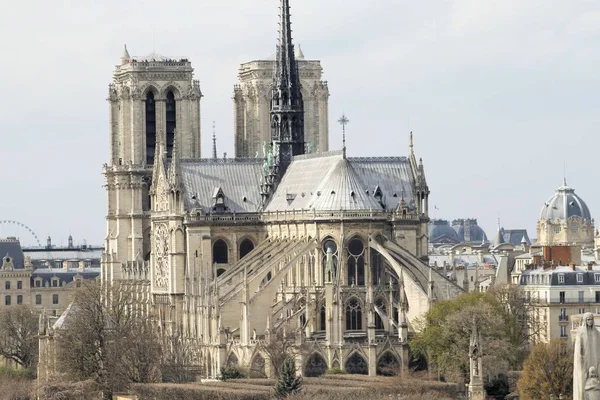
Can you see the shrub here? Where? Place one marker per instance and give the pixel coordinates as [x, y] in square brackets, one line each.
[228, 373]
[288, 383]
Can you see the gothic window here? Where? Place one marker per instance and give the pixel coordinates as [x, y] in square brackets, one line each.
[315, 366]
[220, 272]
[171, 120]
[353, 315]
[150, 127]
[246, 247]
[378, 321]
[356, 364]
[388, 365]
[330, 260]
[220, 252]
[356, 262]
[377, 268]
[322, 318]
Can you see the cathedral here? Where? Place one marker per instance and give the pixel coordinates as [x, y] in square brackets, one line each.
[285, 237]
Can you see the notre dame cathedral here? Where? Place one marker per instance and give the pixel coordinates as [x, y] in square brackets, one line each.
[224, 252]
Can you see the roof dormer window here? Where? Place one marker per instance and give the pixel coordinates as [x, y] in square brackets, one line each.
[579, 278]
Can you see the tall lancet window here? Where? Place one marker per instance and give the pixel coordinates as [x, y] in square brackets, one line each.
[356, 263]
[171, 119]
[150, 127]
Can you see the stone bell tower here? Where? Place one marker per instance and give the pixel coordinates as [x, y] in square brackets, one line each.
[150, 99]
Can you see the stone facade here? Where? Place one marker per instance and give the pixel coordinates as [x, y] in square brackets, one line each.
[327, 250]
[252, 105]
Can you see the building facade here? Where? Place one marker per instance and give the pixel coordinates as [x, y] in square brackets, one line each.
[330, 250]
[565, 220]
[252, 106]
[44, 278]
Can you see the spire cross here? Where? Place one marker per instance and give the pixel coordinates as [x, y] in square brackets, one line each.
[344, 121]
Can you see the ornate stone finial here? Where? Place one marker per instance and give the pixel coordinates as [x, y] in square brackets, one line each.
[411, 144]
[126, 57]
[344, 121]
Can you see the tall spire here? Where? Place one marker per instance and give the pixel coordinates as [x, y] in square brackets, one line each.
[214, 153]
[287, 107]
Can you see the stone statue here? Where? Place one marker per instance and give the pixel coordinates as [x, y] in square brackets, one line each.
[592, 385]
[586, 355]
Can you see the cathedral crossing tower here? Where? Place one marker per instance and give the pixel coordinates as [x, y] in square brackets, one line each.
[287, 107]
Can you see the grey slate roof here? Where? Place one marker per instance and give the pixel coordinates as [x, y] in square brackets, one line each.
[565, 204]
[239, 180]
[528, 277]
[12, 248]
[330, 182]
[515, 236]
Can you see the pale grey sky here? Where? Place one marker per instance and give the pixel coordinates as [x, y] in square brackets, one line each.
[500, 94]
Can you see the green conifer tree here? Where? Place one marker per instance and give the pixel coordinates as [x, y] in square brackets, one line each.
[288, 382]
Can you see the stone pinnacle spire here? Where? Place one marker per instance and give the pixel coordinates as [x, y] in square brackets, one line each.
[214, 150]
[287, 107]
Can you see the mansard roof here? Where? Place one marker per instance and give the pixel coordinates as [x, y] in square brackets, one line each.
[12, 248]
[331, 182]
[239, 180]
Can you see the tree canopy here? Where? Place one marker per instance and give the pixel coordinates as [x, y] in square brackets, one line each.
[547, 371]
[443, 334]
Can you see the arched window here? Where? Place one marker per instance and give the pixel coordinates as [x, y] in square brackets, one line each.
[356, 262]
[322, 318]
[150, 127]
[388, 365]
[220, 252]
[171, 120]
[378, 321]
[220, 272]
[246, 247]
[353, 315]
[356, 364]
[377, 268]
[330, 260]
[315, 366]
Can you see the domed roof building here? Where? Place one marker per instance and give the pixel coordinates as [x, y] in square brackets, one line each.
[440, 232]
[468, 231]
[565, 219]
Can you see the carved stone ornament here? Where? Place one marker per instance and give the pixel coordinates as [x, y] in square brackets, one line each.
[161, 252]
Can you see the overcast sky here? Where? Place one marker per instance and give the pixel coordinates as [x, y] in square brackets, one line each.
[499, 93]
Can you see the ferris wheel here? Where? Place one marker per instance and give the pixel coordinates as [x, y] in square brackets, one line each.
[22, 226]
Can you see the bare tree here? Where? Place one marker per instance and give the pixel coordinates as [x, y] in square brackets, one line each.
[525, 328]
[177, 360]
[278, 346]
[18, 336]
[104, 339]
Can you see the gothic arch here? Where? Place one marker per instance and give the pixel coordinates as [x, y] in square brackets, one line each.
[171, 87]
[356, 364]
[315, 365]
[178, 239]
[388, 364]
[220, 251]
[232, 360]
[354, 314]
[356, 251]
[257, 366]
[150, 87]
[246, 246]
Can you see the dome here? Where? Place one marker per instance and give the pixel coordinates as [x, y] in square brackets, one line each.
[440, 229]
[468, 231]
[565, 204]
